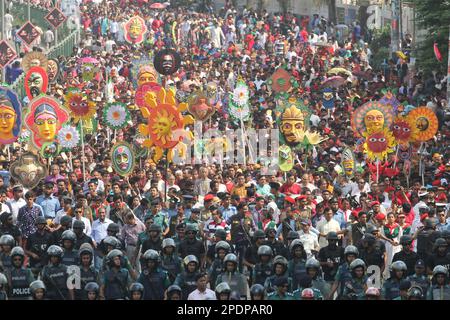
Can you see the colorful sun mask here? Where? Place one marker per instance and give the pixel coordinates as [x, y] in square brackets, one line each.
[123, 159]
[135, 30]
[145, 92]
[28, 170]
[79, 106]
[348, 162]
[401, 129]
[371, 117]
[34, 59]
[10, 116]
[423, 122]
[378, 144]
[44, 119]
[35, 82]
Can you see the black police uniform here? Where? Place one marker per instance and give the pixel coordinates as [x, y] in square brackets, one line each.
[409, 259]
[425, 240]
[215, 269]
[194, 247]
[38, 244]
[297, 270]
[55, 280]
[186, 281]
[261, 272]
[155, 283]
[436, 259]
[374, 257]
[116, 284]
[86, 275]
[5, 262]
[335, 255]
[278, 248]
[70, 258]
[84, 238]
[21, 279]
[150, 244]
[12, 230]
[172, 264]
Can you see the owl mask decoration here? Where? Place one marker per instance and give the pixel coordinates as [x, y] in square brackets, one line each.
[328, 98]
[28, 170]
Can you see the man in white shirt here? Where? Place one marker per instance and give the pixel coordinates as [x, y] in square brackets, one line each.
[202, 292]
[100, 226]
[8, 24]
[309, 239]
[16, 202]
[327, 225]
[79, 216]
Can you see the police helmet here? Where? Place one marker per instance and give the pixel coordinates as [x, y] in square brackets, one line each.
[351, 250]
[220, 233]
[113, 227]
[369, 238]
[91, 287]
[406, 240]
[312, 263]
[40, 220]
[440, 242]
[69, 235]
[440, 270]
[168, 242]
[371, 229]
[307, 293]
[112, 254]
[415, 292]
[356, 264]
[154, 227]
[151, 254]
[190, 258]
[269, 230]
[429, 223]
[332, 236]
[3, 279]
[256, 290]
[446, 234]
[398, 266]
[222, 245]
[55, 251]
[292, 235]
[17, 251]
[264, 251]
[85, 248]
[78, 224]
[36, 285]
[280, 260]
[231, 257]
[223, 287]
[7, 240]
[111, 241]
[259, 234]
[295, 243]
[234, 295]
[172, 289]
[136, 286]
[65, 221]
[191, 228]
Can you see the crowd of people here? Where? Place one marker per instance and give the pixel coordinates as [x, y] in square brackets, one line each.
[228, 232]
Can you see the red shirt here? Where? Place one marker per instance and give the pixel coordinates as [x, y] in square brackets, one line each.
[290, 189]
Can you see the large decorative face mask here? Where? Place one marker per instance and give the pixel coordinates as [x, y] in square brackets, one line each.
[36, 82]
[10, 116]
[34, 59]
[44, 119]
[123, 159]
[199, 106]
[167, 61]
[423, 122]
[328, 98]
[401, 129]
[293, 125]
[348, 162]
[52, 70]
[88, 71]
[28, 170]
[79, 105]
[146, 75]
[135, 29]
[281, 81]
[371, 117]
[379, 144]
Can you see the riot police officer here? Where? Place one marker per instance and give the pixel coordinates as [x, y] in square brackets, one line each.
[111, 243]
[415, 293]
[425, 238]
[81, 237]
[219, 235]
[65, 224]
[174, 292]
[419, 278]
[116, 279]
[222, 249]
[281, 292]
[440, 289]
[87, 270]
[251, 253]
[370, 253]
[440, 255]
[343, 274]
[314, 271]
[3, 283]
[186, 279]
[70, 255]
[257, 292]
[277, 246]
[391, 287]
[170, 261]
[37, 245]
[407, 255]
[7, 243]
[236, 280]
[37, 290]
[263, 269]
[91, 291]
[355, 288]
[191, 245]
[154, 279]
[136, 291]
[19, 276]
[154, 240]
[297, 263]
[280, 269]
[55, 276]
[331, 257]
[223, 291]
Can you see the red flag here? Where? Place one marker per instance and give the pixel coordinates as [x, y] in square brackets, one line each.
[437, 53]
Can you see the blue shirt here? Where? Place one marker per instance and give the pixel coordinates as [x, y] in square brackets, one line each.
[228, 212]
[50, 205]
[340, 217]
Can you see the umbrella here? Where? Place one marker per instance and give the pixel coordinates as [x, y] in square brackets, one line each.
[88, 60]
[333, 82]
[157, 5]
[337, 71]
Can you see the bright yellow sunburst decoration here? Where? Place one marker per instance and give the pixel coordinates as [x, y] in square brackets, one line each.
[79, 106]
[423, 122]
[379, 144]
[166, 124]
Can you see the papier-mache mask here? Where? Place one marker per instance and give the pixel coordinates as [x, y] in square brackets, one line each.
[10, 116]
[35, 82]
[123, 159]
[28, 170]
